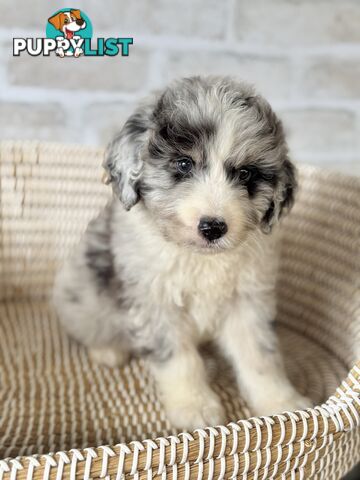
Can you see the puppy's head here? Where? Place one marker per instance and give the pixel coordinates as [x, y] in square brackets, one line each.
[68, 22]
[208, 160]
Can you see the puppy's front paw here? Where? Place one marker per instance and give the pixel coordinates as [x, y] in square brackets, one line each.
[78, 52]
[196, 412]
[108, 356]
[299, 402]
[280, 404]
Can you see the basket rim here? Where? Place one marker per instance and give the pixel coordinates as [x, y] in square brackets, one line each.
[296, 433]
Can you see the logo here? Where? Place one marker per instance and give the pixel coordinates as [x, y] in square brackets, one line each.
[69, 27]
[69, 33]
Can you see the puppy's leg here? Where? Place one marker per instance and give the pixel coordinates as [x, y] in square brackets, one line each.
[78, 52]
[60, 52]
[87, 312]
[188, 399]
[110, 356]
[250, 341]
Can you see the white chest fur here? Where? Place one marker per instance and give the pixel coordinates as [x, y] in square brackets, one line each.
[199, 286]
[165, 279]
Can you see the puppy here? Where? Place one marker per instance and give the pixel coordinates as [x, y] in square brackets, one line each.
[68, 23]
[188, 254]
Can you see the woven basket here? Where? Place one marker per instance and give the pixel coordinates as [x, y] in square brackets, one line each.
[54, 399]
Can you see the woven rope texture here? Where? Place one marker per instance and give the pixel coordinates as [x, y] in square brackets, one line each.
[109, 422]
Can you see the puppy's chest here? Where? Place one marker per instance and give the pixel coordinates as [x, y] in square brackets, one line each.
[201, 291]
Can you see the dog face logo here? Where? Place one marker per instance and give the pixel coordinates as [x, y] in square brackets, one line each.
[73, 26]
[68, 22]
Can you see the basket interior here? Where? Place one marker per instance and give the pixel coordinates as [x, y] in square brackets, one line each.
[53, 397]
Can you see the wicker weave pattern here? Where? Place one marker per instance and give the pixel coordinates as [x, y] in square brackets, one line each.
[53, 398]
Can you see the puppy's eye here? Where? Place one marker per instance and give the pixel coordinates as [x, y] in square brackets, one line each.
[66, 20]
[184, 165]
[244, 174]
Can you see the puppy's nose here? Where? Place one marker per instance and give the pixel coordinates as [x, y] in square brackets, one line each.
[212, 228]
[79, 22]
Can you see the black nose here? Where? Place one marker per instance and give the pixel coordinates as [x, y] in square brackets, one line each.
[212, 228]
[80, 22]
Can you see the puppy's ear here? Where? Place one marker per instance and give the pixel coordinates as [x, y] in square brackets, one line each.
[123, 158]
[284, 196]
[76, 13]
[56, 20]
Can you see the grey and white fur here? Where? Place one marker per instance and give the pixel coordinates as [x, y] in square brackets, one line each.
[188, 254]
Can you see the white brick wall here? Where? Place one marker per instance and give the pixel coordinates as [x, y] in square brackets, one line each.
[304, 55]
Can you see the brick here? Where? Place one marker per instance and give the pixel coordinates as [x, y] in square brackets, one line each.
[85, 73]
[198, 18]
[297, 22]
[270, 75]
[331, 77]
[320, 130]
[34, 15]
[194, 18]
[106, 119]
[28, 121]
[17, 13]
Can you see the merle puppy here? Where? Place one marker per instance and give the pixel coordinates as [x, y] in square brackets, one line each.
[186, 251]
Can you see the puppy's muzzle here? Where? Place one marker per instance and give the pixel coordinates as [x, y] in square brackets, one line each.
[212, 228]
[80, 22]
